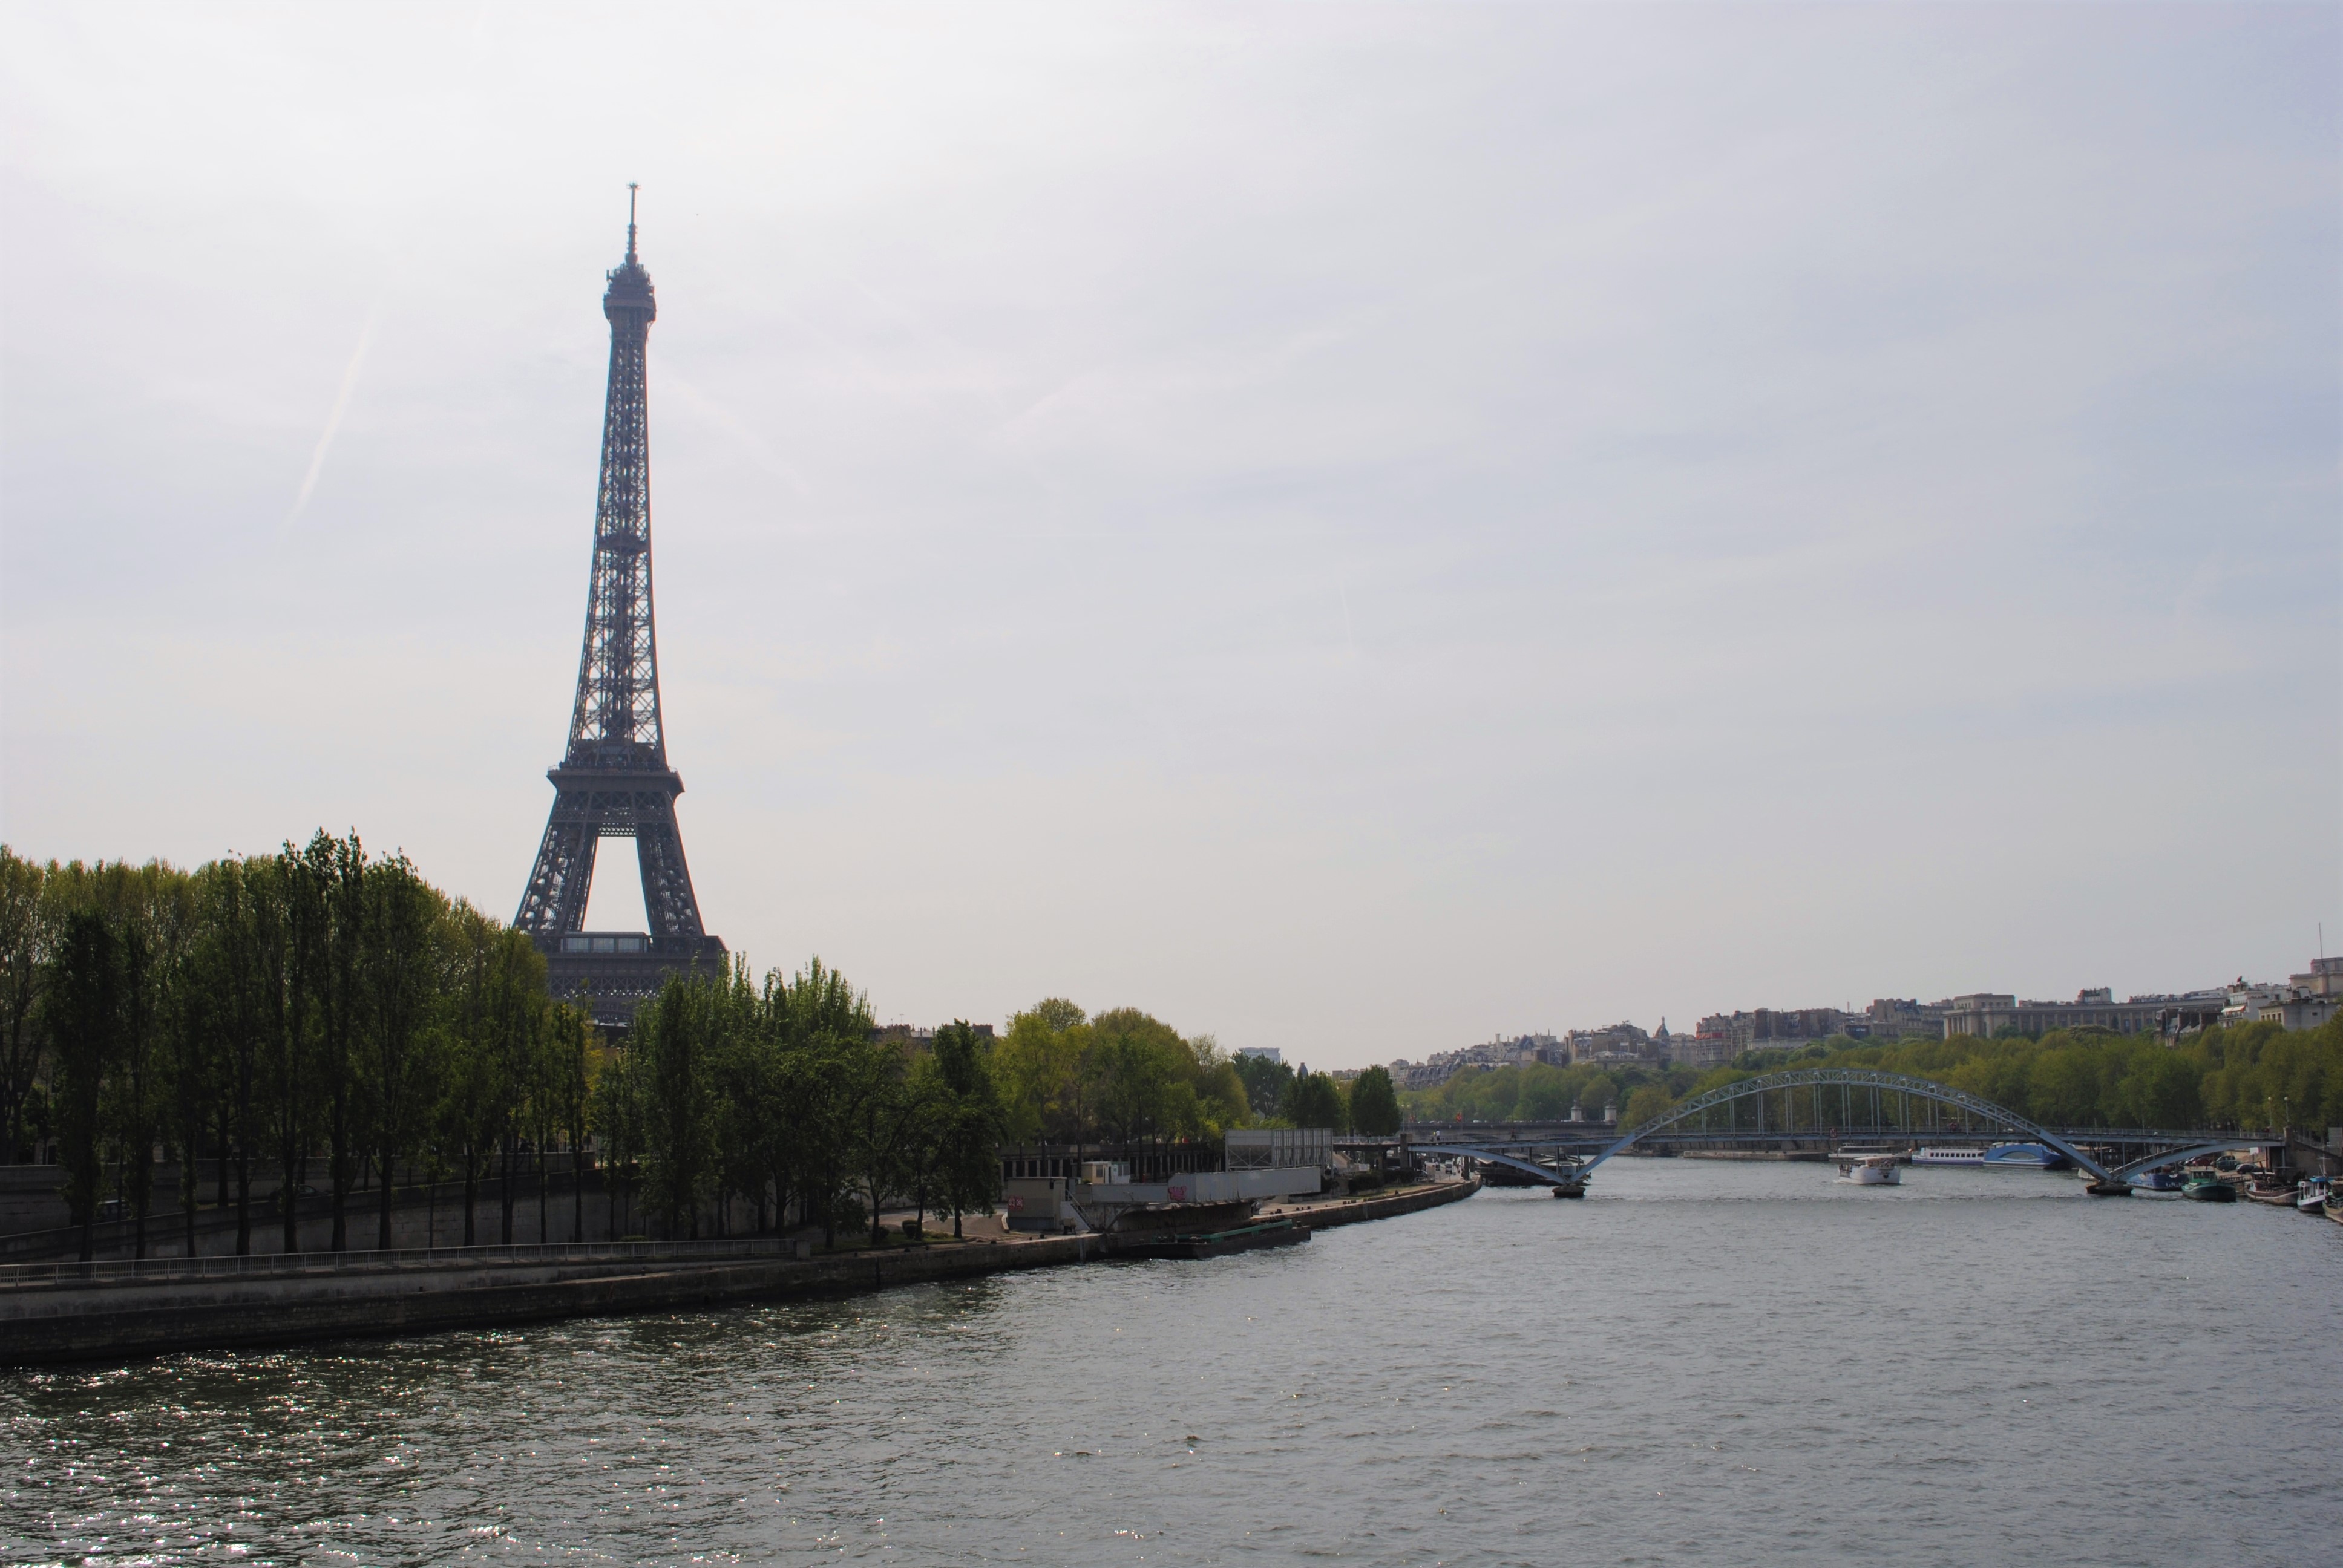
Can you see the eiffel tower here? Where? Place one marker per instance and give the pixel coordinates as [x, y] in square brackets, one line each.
[614, 781]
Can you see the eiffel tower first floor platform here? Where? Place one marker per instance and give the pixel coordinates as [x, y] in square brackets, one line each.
[612, 973]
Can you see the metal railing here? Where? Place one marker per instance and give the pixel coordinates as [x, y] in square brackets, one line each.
[268, 1265]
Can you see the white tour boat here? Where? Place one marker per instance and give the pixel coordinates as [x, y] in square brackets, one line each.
[1871, 1169]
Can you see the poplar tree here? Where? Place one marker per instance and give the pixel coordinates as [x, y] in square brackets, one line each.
[969, 1161]
[85, 1024]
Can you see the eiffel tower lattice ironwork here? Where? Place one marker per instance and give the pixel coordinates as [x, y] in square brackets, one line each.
[614, 781]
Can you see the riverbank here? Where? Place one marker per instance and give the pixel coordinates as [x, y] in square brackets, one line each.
[124, 1311]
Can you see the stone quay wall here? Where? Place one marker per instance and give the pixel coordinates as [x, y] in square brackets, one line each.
[66, 1318]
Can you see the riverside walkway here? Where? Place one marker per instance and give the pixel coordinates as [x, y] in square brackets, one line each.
[53, 1313]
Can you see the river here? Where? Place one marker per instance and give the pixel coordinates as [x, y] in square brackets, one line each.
[1700, 1363]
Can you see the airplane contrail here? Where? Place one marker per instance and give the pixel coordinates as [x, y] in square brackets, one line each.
[334, 420]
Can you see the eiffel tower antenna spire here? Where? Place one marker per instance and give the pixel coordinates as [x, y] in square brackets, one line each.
[614, 781]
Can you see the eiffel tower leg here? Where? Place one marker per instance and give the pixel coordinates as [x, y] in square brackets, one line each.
[555, 900]
[668, 897]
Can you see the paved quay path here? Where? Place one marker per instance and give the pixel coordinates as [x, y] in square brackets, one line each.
[106, 1311]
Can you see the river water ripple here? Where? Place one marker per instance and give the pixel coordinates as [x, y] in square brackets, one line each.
[1703, 1363]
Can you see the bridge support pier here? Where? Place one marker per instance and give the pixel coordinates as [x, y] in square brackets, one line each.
[2113, 1187]
[1570, 1188]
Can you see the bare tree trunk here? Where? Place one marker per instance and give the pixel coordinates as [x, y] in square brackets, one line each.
[190, 1173]
[385, 1173]
[243, 1200]
[505, 1190]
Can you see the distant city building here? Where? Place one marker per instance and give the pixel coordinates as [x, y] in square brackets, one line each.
[2305, 1001]
[2190, 1011]
[1982, 1014]
[1520, 1050]
[1621, 1041]
[2312, 998]
[2325, 979]
[1724, 1036]
[1703, 1051]
[1899, 1018]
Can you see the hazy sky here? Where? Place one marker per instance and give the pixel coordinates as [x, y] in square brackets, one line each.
[1352, 527]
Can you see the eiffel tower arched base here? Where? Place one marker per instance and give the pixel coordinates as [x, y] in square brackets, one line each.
[611, 974]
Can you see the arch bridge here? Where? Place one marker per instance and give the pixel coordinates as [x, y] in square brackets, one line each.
[1828, 1101]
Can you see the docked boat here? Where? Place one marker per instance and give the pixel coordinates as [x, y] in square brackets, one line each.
[2013, 1155]
[1871, 1169]
[1280, 1232]
[2311, 1197]
[2163, 1179]
[2208, 1188]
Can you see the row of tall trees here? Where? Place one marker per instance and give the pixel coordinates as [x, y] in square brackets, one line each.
[1122, 1078]
[312, 1016]
[1298, 1097]
[320, 1021]
[1539, 1091]
[2254, 1077]
[781, 1094]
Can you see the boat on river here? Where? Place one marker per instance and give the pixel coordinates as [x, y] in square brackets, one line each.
[2207, 1188]
[2163, 1179]
[1870, 1169]
[1279, 1233]
[2311, 1197]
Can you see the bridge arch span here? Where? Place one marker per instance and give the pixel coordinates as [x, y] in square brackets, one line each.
[1492, 1157]
[2182, 1156]
[1821, 1078]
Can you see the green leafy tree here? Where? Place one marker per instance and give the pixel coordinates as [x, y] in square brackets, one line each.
[1647, 1102]
[29, 920]
[136, 1103]
[240, 912]
[678, 1034]
[879, 1117]
[1140, 1068]
[573, 1059]
[823, 1025]
[418, 958]
[1265, 1083]
[334, 906]
[1374, 1103]
[475, 1086]
[1039, 1068]
[1221, 1098]
[618, 1115]
[1313, 1099]
[85, 1021]
[968, 1133]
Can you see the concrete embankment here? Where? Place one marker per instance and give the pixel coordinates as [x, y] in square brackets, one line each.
[62, 1317]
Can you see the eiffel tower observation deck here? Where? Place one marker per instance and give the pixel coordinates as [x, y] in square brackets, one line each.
[614, 781]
